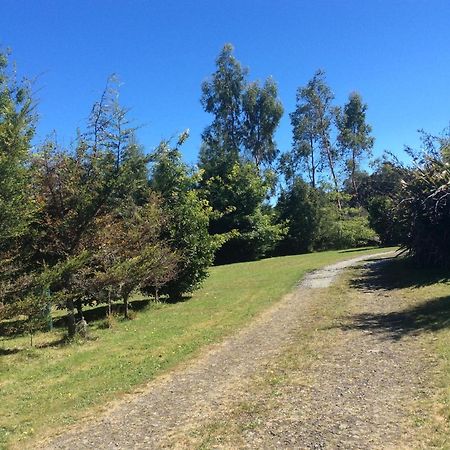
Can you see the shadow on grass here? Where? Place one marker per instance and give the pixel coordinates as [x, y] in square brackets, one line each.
[431, 316]
[11, 329]
[56, 343]
[397, 273]
[9, 351]
[100, 312]
[364, 249]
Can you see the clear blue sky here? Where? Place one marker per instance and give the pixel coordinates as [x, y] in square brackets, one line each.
[395, 53]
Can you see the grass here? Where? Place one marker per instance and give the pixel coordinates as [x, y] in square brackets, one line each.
[50, 386]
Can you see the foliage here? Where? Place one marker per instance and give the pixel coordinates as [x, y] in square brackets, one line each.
[424, 204]
[300, 206]
[347, 228]
[73, 191]
[378, 193]
[354, 137]
[236, 148]
[383, 218]
[246, 116]
[132, 254]
[238, 198]
[17, 208]
[262, 113]
[186, 229]
[311, 122]
[17, 126]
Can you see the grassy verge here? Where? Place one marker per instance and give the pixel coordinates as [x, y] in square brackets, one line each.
[50, 385]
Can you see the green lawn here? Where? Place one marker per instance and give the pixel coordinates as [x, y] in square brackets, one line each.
[50, 385]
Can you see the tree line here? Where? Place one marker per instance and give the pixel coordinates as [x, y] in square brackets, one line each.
[100, 220]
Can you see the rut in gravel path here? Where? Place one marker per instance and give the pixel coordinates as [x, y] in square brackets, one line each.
[192, 394]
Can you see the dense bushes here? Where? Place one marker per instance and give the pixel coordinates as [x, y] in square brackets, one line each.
[410, 205]
[424, 206]
[314, 222]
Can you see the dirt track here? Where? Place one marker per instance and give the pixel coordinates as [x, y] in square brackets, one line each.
[354, 398]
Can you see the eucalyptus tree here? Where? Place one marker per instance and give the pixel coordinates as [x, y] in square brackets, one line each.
[262, 111]
[237, 150]
[222, 97]
[312, 122]
[354, 138]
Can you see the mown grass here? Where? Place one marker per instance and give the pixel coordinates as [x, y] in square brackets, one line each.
[51, 385]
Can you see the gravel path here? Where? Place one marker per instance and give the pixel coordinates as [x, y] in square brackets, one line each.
[361, 392]
[197, 392]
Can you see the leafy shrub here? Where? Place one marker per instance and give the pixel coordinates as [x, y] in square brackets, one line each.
[348, 228]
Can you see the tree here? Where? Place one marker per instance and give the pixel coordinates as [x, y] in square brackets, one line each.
[378, 193]
[188, 215]
[132, 254]
[262, 113]
[246, 116]
[423, 208]
[354, 137]
[242, 216]
[17, 208]
[301, 207]
[311, 122]
[73, 189]
[222, 97]
[17, 126]
[236, 146]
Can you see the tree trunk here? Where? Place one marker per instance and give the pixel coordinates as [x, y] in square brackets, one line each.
[109, 302]
[71, 326]
[125, 305]
[355, 188]
[313, 167]
[333, 175]
[79, 306]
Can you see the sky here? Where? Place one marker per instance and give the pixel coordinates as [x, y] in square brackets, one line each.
[395, 53]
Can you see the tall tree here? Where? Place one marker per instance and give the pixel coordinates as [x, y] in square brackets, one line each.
[236, 146]
[262, 113]
[17, 126]
[188, 218]
[246, 116]
[17, 208]
[354, 137]
[311, 122]
[74, 188]
[222, 97]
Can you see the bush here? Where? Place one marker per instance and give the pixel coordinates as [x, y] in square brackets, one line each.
[425, 212]
[348, 228]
